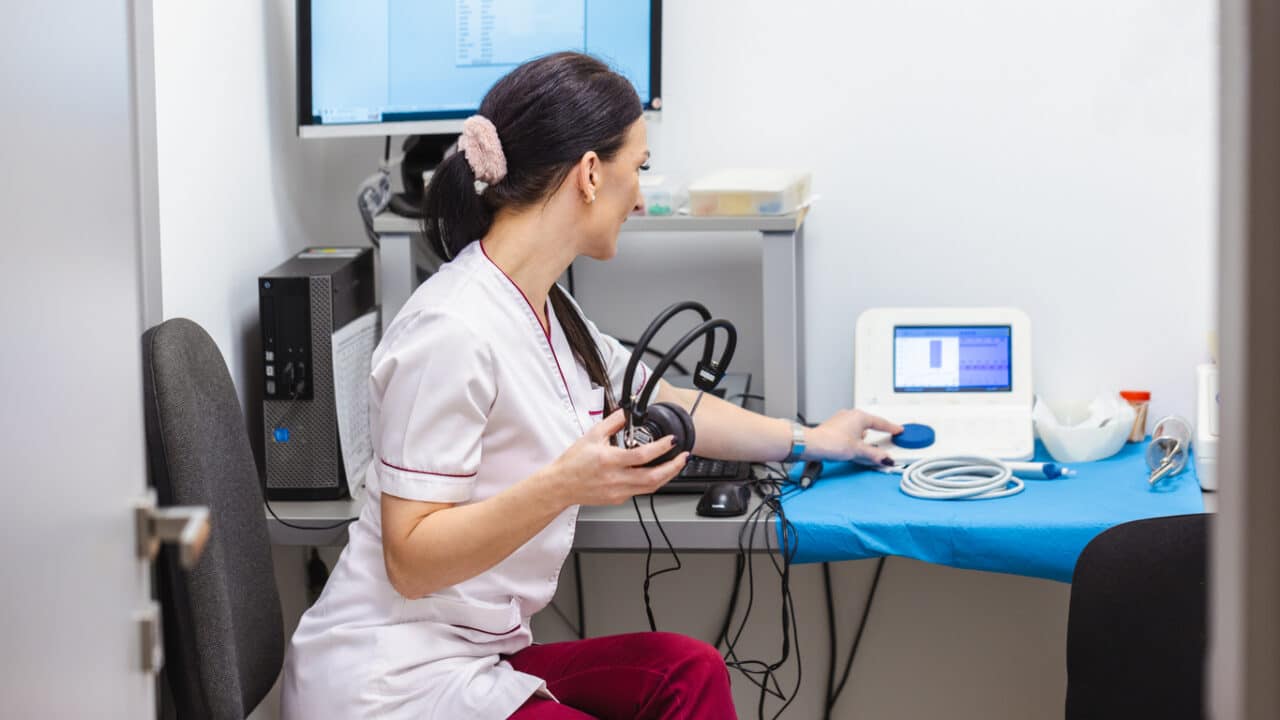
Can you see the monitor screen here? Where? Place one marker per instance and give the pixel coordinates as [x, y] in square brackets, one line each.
[364, 64]
[953, 358]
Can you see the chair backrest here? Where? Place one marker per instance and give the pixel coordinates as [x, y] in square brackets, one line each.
[224, 637]
[1137, 625]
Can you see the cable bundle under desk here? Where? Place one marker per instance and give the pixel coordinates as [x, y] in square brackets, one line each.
[772, 488]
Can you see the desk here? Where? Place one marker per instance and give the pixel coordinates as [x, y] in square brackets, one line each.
[853, 513]
[600, 529]
[781, 265]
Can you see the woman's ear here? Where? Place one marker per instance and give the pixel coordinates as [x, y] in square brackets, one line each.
[588, 176]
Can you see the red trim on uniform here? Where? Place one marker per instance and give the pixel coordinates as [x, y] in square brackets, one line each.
[486, 632]
[595, 412]
[546, 331]
[423, 472]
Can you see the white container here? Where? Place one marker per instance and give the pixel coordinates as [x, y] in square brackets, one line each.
[749, 192]
[1206, 442]
[1084, 434]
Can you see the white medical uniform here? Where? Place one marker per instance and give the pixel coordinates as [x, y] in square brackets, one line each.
[468, 396]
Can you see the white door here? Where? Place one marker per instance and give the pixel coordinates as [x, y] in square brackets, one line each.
[75, 193]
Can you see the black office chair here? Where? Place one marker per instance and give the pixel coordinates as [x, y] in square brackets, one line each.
[1137, 625]
[223, 633]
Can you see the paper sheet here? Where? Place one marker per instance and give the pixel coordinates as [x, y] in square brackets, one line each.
[352, 353]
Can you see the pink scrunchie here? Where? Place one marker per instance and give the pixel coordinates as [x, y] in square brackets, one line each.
[482, 148]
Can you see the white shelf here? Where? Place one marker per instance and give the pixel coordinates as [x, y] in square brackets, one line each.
[391, 223]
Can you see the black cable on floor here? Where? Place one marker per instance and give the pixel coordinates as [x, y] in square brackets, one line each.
[831, 638]
[832, 697]
[764, 675]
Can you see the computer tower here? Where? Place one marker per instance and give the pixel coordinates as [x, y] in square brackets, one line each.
[317, 309]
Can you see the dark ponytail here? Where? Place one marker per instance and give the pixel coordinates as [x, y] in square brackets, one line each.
[548, 113]
[451, 208]
[584, 346]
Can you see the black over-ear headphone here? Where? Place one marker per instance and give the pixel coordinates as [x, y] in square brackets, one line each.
[647, 423]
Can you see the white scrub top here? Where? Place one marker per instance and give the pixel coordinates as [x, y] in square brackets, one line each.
[468, 395]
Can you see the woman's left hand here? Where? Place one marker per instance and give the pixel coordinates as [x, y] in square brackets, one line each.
[841, 437]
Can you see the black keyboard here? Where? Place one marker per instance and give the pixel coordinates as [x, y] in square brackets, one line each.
[701, 472]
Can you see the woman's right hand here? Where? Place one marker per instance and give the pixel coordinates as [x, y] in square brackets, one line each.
[593, 472]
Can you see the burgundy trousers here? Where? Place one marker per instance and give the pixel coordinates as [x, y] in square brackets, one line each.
[639, 676]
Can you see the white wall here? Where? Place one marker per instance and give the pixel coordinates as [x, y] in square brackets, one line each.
[239, 192]
[1055, 155]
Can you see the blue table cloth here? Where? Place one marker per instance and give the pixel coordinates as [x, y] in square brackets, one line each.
[852, 513]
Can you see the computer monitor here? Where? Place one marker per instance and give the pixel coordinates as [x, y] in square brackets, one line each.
[420, 67]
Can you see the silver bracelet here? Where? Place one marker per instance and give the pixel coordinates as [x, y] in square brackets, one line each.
[797, 443]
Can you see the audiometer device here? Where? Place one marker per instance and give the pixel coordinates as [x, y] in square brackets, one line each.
[958, 380]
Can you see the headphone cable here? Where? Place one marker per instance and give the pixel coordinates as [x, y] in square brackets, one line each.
[773, 489]
[649, 574]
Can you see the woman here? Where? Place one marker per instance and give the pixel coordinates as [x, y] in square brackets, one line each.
[493, 410]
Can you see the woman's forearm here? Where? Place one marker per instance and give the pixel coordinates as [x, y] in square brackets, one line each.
[429, 546]
[728, 432]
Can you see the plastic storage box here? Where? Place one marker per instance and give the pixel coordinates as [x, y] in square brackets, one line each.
[661, 196]
[749, 192]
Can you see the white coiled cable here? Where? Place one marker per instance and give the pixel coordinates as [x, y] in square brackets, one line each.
[960, 477]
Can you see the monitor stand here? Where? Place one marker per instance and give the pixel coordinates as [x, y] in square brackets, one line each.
[422, 153]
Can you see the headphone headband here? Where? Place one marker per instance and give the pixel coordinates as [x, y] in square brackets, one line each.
[706, 375]
[643, 344]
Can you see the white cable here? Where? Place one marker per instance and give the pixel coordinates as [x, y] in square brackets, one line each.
[960, 477]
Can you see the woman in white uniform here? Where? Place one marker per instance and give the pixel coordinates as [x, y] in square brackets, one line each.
[493, 413]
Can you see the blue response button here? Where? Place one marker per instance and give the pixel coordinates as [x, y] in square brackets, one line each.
[914, 436]
[282, 435]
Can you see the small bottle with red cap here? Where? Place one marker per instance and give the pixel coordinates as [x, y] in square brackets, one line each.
[1139, 399]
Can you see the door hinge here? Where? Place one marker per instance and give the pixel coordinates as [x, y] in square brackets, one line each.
[151, 638]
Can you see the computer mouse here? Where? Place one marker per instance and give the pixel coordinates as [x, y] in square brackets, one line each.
[724, 499]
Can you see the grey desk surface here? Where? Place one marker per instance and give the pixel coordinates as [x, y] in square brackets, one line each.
[391, 223]
[601, 529]
[609, 529]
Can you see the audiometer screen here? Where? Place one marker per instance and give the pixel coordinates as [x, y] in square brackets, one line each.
[953, 358]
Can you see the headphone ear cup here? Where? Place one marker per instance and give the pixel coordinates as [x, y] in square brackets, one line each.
[663, 419]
